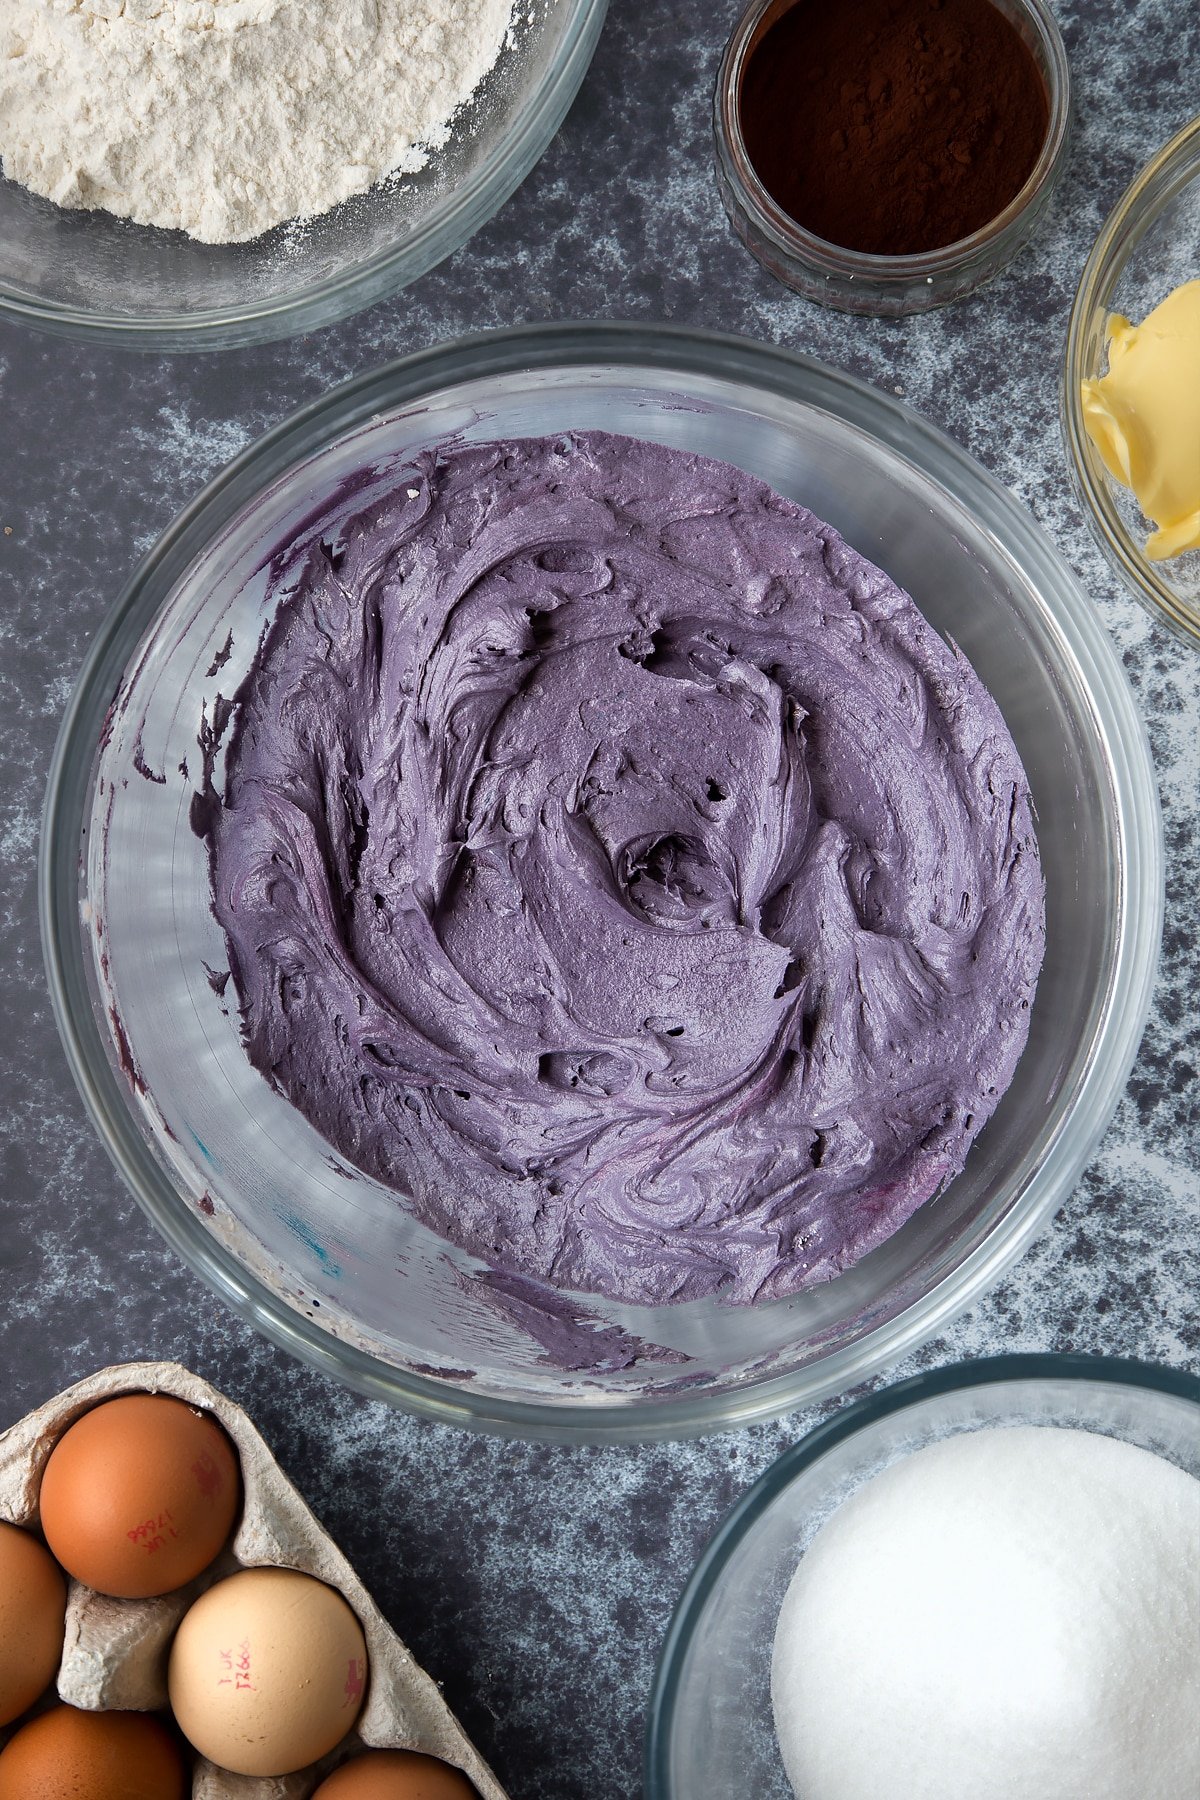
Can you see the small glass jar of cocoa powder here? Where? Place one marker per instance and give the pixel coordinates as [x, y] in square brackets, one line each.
[893, 125]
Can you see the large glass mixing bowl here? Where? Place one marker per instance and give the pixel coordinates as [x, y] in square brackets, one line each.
[335, 1268]
[91, 275]
[710, 1727]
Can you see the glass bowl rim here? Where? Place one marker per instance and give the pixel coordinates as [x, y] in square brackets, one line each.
[1103, 520]
[632, 347]
[869, 267]
[846, 1422]
[446, 227]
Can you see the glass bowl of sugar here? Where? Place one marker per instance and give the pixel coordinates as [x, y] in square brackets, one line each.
[711, 1723]
[81, 271]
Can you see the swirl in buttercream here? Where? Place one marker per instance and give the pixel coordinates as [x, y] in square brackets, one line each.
[618, 865]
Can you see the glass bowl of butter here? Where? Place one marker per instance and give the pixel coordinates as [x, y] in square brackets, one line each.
[1131, 386]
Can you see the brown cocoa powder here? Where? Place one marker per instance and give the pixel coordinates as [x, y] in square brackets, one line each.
[893, 126]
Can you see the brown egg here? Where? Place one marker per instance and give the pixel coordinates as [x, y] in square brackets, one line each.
[70, 1755]
[140, 1495]
[33, 1600]
[268, 1671]
[396, 1775]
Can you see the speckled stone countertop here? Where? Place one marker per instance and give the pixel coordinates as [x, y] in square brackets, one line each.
[536, 1582]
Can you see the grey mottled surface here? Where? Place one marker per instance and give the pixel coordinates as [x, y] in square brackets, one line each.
[536, 1582]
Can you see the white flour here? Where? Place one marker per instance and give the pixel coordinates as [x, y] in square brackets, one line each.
[225, 117]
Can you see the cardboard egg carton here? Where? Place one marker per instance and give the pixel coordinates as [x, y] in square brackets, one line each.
[115, 1653]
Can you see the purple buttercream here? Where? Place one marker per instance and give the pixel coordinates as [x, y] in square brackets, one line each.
[619, 865]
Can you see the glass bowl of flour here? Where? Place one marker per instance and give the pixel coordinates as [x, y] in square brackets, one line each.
[711, 1724]
[179, 176]
[329, 1260]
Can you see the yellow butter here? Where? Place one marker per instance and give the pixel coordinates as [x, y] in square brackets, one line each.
[1144, 417]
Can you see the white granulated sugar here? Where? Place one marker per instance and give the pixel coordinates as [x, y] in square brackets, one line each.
[225, 117]
[1004, 1615]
